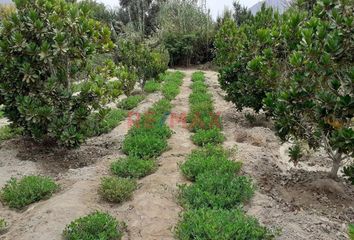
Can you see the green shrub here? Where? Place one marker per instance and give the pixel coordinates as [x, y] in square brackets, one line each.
[198, 77]
[219, 224]
[170, 90]
[3, 226]
[351, 231]
[29, 189]
[1, 114]
[349, 173]
[6, 132]
[217, 191]
[204, 121]
[198, 97]
[41, 57]
[94, 226]
[211, 136]
[153, 128]
[130, 102]
[161, 107]
[208, 159]
[144, 145]
[133, 167]
[104, 121]
[117, 190]
[151, 86]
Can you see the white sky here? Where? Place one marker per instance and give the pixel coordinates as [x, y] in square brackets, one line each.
[216, 6]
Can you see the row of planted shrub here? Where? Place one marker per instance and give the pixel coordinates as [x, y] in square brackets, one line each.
[145, 141]
[213, 202]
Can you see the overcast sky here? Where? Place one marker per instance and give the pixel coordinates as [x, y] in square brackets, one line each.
[216, 6]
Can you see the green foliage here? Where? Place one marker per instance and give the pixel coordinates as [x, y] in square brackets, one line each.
[198, 77]
[298, 67]
[211, 136]
[187, 32]
[131, 102]
[104, 121]
[208, 159]
[117, 190]
[3, 226]
[7, 132]
[1, 113]
[133, 167]
[349, 173]
[351, 231]
[219, 224]
[145, 61]
[94, 226]
[151, 86]
[29, 189]
[41, 56]
[216, 190]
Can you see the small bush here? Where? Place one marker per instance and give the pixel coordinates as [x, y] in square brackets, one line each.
[351, 231]
[94, 226]
[216, 191]
[133, 167]
[144, 145]
[208, 159]
[349, 173]
[6, 132]
[117, 190]
[198, 76]
[200, 97]
[161, 107]
[130, 102]
[211, 136]
[3, 226]
[151, 86]
[29, 189]
[204, 121]
[105, 121]
[170, 91]
[219, 224]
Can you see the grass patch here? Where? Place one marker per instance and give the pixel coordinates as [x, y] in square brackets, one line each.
[7, 132]
[172, 82]
[151, 86]
[3, 226]
[212, 136]
[130, 102]
[216, 191]
[198, 76]
[208, 159]
[94, 226]
[351, 231]
[132, 167]
[105, 121]
[219, 224]
[117, 190]
[20, 193]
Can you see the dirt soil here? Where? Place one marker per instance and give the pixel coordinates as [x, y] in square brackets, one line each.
[299, 201]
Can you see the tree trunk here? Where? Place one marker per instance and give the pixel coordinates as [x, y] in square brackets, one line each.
[337, 158]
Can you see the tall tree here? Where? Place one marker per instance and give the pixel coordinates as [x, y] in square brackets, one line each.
[241, 13]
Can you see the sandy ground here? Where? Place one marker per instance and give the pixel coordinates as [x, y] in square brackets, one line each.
[295, 200]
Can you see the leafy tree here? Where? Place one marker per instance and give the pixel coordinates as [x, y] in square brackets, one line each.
[317, 103]
[241, 14]
[43, 45]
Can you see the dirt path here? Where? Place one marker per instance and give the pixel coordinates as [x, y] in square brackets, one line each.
[288, 198]
[78, 196]
[153, 211]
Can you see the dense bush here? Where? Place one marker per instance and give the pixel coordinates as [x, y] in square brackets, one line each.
[146, 61]
[300, 64]
[216, 190]
[151, 86]
[133, 167]
[44, 45]
[117, 190]
[210, 136]
[130, 102]
[208, 159]
[94, 226]
[187, 31]
[219, 224]
[29, 189]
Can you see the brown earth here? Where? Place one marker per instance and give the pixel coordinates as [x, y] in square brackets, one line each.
[299, 200]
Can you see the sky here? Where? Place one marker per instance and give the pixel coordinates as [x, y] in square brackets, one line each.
[216, 6]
